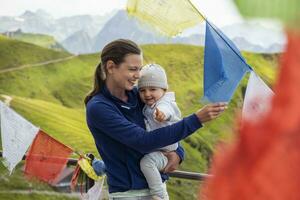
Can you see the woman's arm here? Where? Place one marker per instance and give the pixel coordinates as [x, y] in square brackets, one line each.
[108, 120]
[105, 118]
[180, 152]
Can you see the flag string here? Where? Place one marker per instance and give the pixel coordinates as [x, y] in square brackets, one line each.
[205, 18]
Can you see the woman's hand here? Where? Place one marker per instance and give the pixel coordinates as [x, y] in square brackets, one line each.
[173, 161]
[211, 111]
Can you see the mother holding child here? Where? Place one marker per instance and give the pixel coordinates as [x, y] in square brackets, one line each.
[137, 130]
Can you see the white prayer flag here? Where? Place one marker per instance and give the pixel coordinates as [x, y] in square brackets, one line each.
[95, 193]
[17, 134]
[257, 100]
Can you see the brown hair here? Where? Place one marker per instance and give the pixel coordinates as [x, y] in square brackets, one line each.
[116, 52]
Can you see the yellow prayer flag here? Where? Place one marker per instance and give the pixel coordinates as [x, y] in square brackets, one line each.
[169, 17]
[85, 165]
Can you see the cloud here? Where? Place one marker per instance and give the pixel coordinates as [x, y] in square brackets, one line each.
[220, 12]
[59, 8]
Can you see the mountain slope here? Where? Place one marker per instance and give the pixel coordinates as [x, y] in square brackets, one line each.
[42, 40]
[14, 53]
[79, 42]
[42, 22]
[63, 83]
[17, 187]
[52, 99]
[123, 26]
[132, 29]
[64, 124]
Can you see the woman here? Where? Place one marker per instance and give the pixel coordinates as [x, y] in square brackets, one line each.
[114, 116]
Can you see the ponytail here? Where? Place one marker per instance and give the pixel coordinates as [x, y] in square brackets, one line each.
[99, 78]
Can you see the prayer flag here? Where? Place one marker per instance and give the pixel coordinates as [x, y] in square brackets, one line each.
[95, 192]
[224, 66]
[46, 158]
[286, 10]
[264, 163]
[16, 134]
[86, 166]
[257, 100]
[169, 17]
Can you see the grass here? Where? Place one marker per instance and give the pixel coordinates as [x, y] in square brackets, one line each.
[34, 196]
[51, 97]
[14, 53]
[64, 124]
[42, 40]
[17, 182]
[64, 83]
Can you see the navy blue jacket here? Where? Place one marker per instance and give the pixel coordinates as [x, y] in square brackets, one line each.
[119, 132]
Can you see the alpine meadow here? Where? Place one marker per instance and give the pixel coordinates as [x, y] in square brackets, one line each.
[47, 87]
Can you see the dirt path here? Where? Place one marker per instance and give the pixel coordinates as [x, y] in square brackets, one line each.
[37, 64]
[7, 99]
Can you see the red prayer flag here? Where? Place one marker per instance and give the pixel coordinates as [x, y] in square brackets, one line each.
[264, 162]
[75, 177]
[46, 158]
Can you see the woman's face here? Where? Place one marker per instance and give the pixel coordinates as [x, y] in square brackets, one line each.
[126, 74]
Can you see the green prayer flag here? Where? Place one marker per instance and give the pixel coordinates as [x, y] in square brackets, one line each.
[288, 11]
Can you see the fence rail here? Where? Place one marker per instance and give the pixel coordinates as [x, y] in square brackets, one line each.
[176, 174]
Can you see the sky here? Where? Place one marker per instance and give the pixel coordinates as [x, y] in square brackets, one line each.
[221, 12]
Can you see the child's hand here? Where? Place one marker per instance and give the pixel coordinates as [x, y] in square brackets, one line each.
[159, 116]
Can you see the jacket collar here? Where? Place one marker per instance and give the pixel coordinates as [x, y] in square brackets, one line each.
[132, 98]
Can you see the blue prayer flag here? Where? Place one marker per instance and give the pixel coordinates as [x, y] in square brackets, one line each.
[224, 66]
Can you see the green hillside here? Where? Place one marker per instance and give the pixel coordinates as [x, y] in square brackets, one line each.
[64, 124]
[14, 53]
[52, 98]
[11, 187]
[64, 83]
[42, 40]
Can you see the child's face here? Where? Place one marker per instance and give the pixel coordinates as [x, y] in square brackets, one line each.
[150, 95]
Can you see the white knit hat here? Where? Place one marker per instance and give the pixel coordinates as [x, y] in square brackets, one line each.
[153, 75]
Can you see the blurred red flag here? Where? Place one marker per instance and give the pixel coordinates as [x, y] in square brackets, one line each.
[264, 162]
[46, 158]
